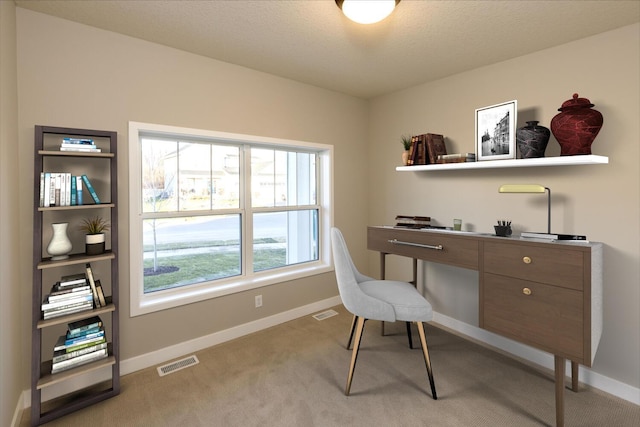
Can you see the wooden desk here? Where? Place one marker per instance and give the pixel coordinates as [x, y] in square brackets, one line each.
[544, 294]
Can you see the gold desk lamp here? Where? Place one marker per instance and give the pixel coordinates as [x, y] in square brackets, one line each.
[530, 188]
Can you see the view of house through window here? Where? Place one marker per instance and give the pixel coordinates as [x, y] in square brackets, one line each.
[195, 209]
[213, 209]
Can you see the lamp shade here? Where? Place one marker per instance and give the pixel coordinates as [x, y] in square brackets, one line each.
[367, 11]
[522, 188]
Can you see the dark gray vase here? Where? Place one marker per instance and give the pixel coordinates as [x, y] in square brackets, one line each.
[532, 140]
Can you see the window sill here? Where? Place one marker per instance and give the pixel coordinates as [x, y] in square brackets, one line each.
[170, 298]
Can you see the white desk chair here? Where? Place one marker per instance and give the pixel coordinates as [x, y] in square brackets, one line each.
[385, 300]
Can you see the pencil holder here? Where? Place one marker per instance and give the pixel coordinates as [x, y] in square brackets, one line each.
[502, 230]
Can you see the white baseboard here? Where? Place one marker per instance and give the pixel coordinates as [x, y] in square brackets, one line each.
[538, 357]
[178, 350]
[20, 406]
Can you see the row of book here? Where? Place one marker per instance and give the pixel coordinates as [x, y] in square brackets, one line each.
[84, 342]
[84, 145]
[425, 149]
[72, 294]
[64, 189]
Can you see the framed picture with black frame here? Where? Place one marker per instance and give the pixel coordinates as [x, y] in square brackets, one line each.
[496, 131]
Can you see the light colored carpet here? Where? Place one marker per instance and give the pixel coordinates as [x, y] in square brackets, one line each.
[294, 375]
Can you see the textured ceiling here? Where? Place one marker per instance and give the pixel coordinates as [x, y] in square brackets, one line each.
[312, 42]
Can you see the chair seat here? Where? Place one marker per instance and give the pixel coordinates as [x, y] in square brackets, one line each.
[408, 304]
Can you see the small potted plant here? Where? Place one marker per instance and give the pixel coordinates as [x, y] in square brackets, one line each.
[94, 240]
[406, 143]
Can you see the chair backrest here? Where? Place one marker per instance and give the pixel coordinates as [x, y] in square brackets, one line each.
[347, 275]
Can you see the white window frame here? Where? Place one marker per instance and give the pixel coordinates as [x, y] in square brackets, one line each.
[141, 303]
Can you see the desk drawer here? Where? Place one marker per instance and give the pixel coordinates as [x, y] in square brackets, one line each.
[456, 250]
[546, 317]
[553, 265]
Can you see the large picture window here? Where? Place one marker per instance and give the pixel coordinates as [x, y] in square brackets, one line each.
[214, 213]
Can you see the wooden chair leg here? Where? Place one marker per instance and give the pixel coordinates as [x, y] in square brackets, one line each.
[409, 335]
[427, 360]
[354, 354]
[353, 328]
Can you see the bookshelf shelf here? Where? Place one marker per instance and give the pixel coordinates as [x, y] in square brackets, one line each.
[511, 163]
[76, 316]
[102, 167]
[75, 259]
[72, 208]
[74, 154]
[49, 379]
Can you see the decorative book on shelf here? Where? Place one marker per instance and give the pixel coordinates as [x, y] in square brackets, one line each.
[99, 299]
[453, 158]
[418, 151]
[435, 147]
[90, 189]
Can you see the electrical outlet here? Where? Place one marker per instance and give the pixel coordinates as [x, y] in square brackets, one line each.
[258, 301]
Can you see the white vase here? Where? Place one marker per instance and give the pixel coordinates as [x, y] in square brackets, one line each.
[60, 246]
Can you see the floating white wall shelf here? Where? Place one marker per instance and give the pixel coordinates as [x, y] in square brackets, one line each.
[590, 159]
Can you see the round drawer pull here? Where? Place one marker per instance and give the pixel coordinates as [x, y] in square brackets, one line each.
[526, 260]
[526, 291]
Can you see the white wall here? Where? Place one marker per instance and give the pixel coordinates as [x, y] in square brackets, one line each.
[602, 202]
[73, 75]
[11, 287]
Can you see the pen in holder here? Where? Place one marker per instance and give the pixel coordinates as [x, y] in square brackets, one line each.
[503, 229]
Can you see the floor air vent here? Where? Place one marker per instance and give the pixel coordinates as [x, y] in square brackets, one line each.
[325, 315]
[177, 365]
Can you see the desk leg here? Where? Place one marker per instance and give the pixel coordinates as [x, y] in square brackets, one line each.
[559, 374]
[382, 275]
[415, 272]
[574, 376]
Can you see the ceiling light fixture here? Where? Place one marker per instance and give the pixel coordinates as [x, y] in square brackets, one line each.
[367, 11]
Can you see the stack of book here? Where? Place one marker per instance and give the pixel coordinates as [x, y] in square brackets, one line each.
[407, 221]
[79, 144]
[84, 342]
[70, 295]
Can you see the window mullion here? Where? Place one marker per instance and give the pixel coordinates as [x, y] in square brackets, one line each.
[247, 211]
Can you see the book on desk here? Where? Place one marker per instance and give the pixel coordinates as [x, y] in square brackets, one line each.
[412, 221]
[554, 236]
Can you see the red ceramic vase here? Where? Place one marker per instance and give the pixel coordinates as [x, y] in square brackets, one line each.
[576, 126]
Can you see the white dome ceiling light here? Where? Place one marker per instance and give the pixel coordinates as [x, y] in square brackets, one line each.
[367, 11]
